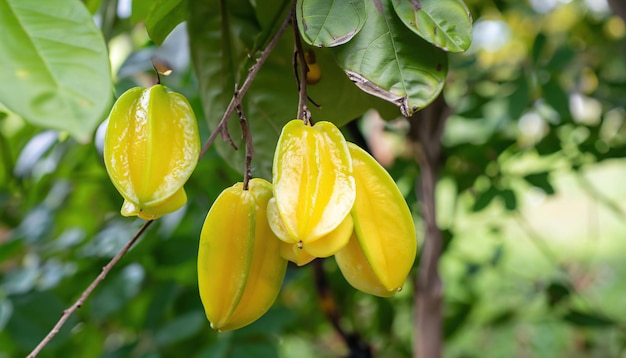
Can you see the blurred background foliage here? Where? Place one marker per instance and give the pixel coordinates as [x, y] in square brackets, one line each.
[530, 201]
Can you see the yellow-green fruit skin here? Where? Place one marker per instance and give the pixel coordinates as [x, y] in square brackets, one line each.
[151, 147]
[312, 175]
[384, 233]
[302, 253]
[240, 270]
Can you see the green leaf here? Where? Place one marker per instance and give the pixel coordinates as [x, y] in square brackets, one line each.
[218, 52]
[510, 199]
[389, 61]
[33, 316]
[556, 293]
[92, 5]
[541, 181]
[583, 319]
[55, 68]
[485, 198]
[181, 327]
[163, 17]
[444, 23]
[327, 23]
[140, 10]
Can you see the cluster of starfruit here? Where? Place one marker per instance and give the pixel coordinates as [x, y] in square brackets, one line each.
[151, 147]
[328, 197]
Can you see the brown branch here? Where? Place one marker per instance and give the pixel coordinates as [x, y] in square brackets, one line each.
[83, 297]
[245, 130]
[252, 73]
[234, 102]
[356, 346]
[425, 133]
[298, 57]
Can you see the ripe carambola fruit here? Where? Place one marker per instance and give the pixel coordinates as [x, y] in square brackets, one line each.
[240, 270]
[313, 183]
[382, 250]
[301, 253]
[151, 147]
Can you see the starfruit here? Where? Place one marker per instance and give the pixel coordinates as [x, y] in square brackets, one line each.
[313, 183]
[382, 250]
[240, 270]
[151, 147]
[300, 253]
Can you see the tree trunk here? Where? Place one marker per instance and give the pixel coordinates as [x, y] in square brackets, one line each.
[425, 134]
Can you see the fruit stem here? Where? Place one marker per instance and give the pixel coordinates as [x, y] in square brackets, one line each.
[252, 73]
[298, 58]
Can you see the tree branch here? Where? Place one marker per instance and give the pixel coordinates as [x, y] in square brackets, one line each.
[425, 133]
[234, 102]
[252, 73]
[298, 57]
[245, 130]
[83, 297]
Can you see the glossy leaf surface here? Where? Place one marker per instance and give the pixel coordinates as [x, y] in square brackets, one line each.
[444, 23]
[326, 23]
[389, 61]
[221, 57]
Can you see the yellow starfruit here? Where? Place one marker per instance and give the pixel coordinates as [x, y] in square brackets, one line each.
[151, 147]
[313, 183]
[301, 253]
[240, 270]
[381, 252]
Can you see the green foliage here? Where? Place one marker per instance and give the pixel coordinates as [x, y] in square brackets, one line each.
[446, 24]
[387, 60]
[49, 88]
[519, 133]
[329, 23]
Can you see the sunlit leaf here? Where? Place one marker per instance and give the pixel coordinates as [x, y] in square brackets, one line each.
[329, 23]
[443, 23]
[163, 17]
[387, 60]
[55, 68]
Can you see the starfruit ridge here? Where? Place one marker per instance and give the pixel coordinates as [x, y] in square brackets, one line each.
[312, 175]
[151, 148]
[240, 270]
[384, 237]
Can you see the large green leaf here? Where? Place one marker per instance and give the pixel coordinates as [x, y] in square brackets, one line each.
[55, 68]
[443, 23]
[328, 22]
[220, 43]
[163, 17]
[389, 61]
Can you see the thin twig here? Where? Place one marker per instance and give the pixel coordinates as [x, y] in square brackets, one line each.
[234, 102]
[252, 73]
[301, 71]
[245, 130]
[83, 297]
